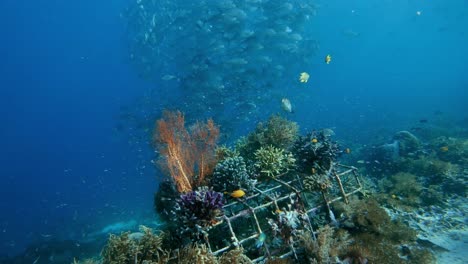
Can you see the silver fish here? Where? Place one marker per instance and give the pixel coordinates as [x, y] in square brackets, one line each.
[286, 105]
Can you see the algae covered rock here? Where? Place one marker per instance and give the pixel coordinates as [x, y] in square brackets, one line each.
[408, 143]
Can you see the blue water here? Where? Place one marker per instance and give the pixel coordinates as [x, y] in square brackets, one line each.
[66, 167]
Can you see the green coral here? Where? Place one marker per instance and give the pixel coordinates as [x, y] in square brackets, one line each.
[317, 182]
[272, 161]
[140, 247]
[277, 132]
[235, 256]
[119, 249]
[224, 152]
[197, 254]
[403, 188]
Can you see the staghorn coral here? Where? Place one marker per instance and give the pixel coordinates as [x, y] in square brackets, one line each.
[224, 152]
[150, 246]
[234, 256]
[139, 247]
[277, 132]
[273, 161]
[317, 183]
[231, 174]
[196, 254]
[119, 249]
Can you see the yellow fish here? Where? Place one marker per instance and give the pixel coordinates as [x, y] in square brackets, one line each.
[314, 140]
[348, 150]
[444, 149]
[237, 193]
[328, 59]
[304, 77]
[313, 170]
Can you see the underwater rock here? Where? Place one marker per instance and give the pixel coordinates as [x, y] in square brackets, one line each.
[407, 142]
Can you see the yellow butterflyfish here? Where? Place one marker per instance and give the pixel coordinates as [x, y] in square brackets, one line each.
[237, 193]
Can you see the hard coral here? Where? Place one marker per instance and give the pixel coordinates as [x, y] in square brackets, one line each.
[316, 150]
[231, 174]
[202, 207]
[277, 132]
[273, 161]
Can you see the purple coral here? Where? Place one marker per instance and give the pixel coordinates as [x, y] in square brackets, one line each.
[201, 207]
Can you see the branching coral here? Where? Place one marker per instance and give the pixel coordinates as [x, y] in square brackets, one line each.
[235, 256]
[328, 245]
[317, 182]
[200, 208]
[273, 161]
[139, 247]
[196, 254]
[277, 132]
[316, 151]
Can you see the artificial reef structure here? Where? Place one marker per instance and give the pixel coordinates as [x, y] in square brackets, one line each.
[275, 197]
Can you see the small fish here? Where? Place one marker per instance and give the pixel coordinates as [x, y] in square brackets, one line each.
[347, 150]
[304, 77]
[313, 170]
[278, 211]
[286, 105]
[237, 193]
[260, 240]
[328, 59]
[444, 149]
[168, 77]
[423, 121]
[314, 140]
[361, 162]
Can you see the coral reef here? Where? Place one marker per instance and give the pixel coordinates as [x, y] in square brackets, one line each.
[407, 142]
[141, 247]
[316, 151]
[201, 208]
[196, 254]
[236, 256]
[272, 161]
[328, 246]
[231, 174]
[317, 182]
[188, 157]
[277, 132]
